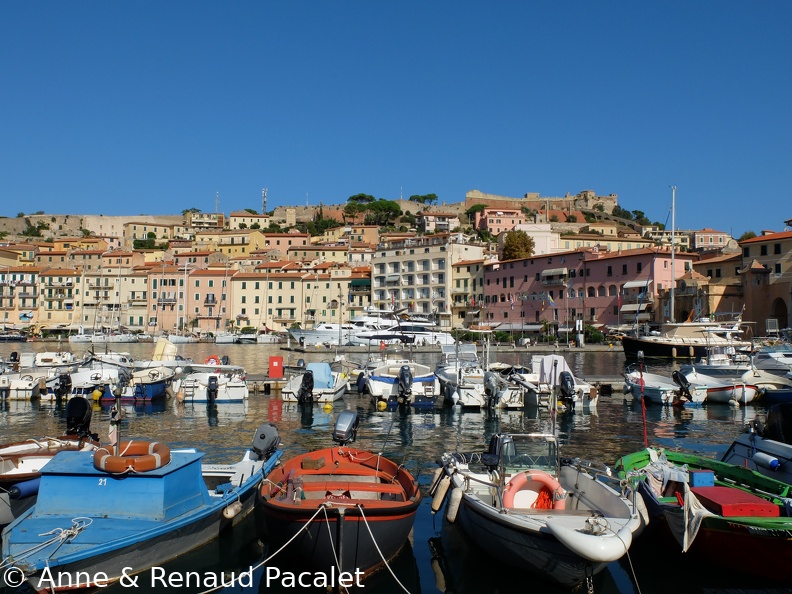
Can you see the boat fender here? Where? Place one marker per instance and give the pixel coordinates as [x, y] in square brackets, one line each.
[140, 456]
[766, 461]
[603, 547]
[24, 489]
[454, 501]
[436, 476]
[232, 510]
[440, 493]
[520, 482]
[692, 352]
[673, 353]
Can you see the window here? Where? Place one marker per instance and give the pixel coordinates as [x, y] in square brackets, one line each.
[763, 250]
[746, 252]
[639, 266]
[777, 248]
[610, 271]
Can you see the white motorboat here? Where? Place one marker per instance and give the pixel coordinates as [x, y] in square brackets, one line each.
[461, 376]
[552, 383]
[660, 389]
[562, 521]
[224, 384]
[723, 390]
[318, 383]
[226, 338]
[398, 380]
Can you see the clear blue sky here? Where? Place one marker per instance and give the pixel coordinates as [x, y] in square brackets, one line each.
[151, 107]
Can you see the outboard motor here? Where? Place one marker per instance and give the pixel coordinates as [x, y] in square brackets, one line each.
[684, 385]
[265, 441]
[566, 387]
[63, 387]
[78, 418]
[361, 383]
[499, 445]
[224, 360]
[305, 393]
[405, 384]
[491, 388]
[211, 389]
[346, 426]
[14, 357]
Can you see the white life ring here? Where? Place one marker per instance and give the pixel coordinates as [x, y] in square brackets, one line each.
[522, 482]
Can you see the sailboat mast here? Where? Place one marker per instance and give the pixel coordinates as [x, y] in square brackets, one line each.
[673, 248]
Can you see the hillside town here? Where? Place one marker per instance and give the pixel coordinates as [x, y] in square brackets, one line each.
[296, 267]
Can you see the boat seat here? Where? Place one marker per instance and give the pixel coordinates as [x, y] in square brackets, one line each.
[352, 490]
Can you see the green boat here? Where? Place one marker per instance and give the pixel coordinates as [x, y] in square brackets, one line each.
[717, 512]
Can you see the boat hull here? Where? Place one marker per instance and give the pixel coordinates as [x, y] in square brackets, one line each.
[338, 503]
[539, 553]
[126, 523]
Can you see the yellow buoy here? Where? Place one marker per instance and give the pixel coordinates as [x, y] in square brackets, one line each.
[97, 394]
[327, 407]
[381, 405]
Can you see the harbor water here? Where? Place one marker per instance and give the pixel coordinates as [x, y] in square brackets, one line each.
[438, 558]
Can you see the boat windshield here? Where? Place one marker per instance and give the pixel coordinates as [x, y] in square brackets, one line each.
[528, 451]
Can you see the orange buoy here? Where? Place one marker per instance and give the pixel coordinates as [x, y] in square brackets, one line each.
[212, 360]
[140, 456]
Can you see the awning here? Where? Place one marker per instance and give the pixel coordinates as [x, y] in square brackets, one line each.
[392, 278]
[555, 272]
[630, 307]
[636, 284]
[517, 327]
[360, 282]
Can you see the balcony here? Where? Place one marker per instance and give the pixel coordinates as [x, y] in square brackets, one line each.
[209, 301]
[166, 301]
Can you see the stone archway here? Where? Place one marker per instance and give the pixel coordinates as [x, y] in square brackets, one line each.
[778, 310]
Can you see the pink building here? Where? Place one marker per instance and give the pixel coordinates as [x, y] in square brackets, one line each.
[594, 286]
[498, 220]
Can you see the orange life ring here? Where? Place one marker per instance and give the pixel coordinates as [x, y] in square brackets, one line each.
[553, 492]
[140, 456]
[212, 360]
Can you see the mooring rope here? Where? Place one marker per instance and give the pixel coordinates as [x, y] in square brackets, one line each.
[376, 546]
[61, 535]
[271, 557]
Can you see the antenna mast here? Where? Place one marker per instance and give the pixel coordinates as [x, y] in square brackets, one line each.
[673, 249]
[217, 202]
[264, 201]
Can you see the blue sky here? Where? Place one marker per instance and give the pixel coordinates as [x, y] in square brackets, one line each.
[144, 107]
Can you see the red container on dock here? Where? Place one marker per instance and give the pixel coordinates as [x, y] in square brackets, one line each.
[275, 368]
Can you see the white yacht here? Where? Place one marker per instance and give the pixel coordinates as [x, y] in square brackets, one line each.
[325, 333]
[378, 326]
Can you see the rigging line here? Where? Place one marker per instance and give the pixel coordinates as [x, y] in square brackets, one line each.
[376, 546]
[271, 557]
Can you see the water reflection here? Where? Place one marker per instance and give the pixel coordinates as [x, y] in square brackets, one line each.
[439, 558]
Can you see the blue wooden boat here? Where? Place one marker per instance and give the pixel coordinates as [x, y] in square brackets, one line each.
[100, 512]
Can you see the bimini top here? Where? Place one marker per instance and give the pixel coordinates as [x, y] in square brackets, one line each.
[322, 375]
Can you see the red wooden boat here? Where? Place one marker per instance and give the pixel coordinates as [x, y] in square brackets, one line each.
[339, 502]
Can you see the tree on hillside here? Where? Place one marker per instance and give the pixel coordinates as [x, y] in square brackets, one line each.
[362, 199]
[251, 210]
[518, 244]
[423, 199]
[470, 213]
[747, 235]
[192, 210]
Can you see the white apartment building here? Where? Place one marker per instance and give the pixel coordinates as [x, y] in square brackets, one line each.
[416, 273]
